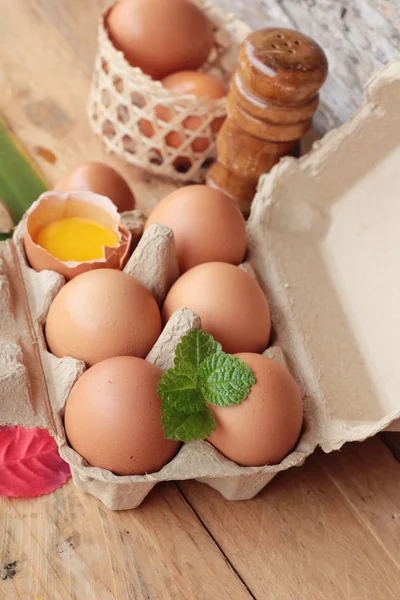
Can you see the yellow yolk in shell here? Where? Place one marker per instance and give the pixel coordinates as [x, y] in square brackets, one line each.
[76, 239]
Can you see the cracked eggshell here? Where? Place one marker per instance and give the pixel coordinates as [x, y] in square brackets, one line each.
[52, 206]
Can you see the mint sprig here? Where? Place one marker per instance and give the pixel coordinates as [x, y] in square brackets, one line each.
[202, 373]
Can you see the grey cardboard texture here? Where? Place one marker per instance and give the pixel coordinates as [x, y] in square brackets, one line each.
[323, 242]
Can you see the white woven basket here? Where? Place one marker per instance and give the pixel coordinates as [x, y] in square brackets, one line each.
[123, 100]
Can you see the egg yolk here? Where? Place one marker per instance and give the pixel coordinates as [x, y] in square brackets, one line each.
[76, 238]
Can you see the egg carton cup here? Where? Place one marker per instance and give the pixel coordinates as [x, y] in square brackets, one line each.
[326, 251]
[123, 101]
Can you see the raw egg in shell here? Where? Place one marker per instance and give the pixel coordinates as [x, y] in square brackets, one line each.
[71, 233]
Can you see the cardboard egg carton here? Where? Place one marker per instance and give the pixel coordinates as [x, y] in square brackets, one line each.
[324, 245]
[34, 384]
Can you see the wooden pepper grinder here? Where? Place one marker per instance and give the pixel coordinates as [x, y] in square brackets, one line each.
[271, 102]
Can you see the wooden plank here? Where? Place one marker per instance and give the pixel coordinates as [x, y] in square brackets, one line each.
[68, 546]
[369, 477]
[319, 532]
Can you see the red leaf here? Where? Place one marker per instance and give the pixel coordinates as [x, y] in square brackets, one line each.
[30, 465]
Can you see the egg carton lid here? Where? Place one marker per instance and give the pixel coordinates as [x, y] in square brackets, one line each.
[324, 238]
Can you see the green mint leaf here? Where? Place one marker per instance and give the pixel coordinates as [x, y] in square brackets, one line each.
[179, 391]
[202, 373]
[193, 349]
[225, 380]
[183, 427]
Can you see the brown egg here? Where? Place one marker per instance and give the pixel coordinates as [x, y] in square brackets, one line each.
[188, 82]
[208, 225]
[113, 417]
[265, 427]
[230, 302]
[160, 36]
[195, 82]
[99, 178]
[101, 314]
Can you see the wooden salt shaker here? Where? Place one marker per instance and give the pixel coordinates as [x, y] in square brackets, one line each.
[271, 102]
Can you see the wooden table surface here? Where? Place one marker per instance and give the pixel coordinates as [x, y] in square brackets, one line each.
[327, 530]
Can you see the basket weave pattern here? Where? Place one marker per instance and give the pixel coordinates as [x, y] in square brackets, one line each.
[124, 102]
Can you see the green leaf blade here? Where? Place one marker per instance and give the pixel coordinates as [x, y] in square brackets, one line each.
[20, 185]
[193, 349]
[225, 380]
[186, 428]
[179, 391]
